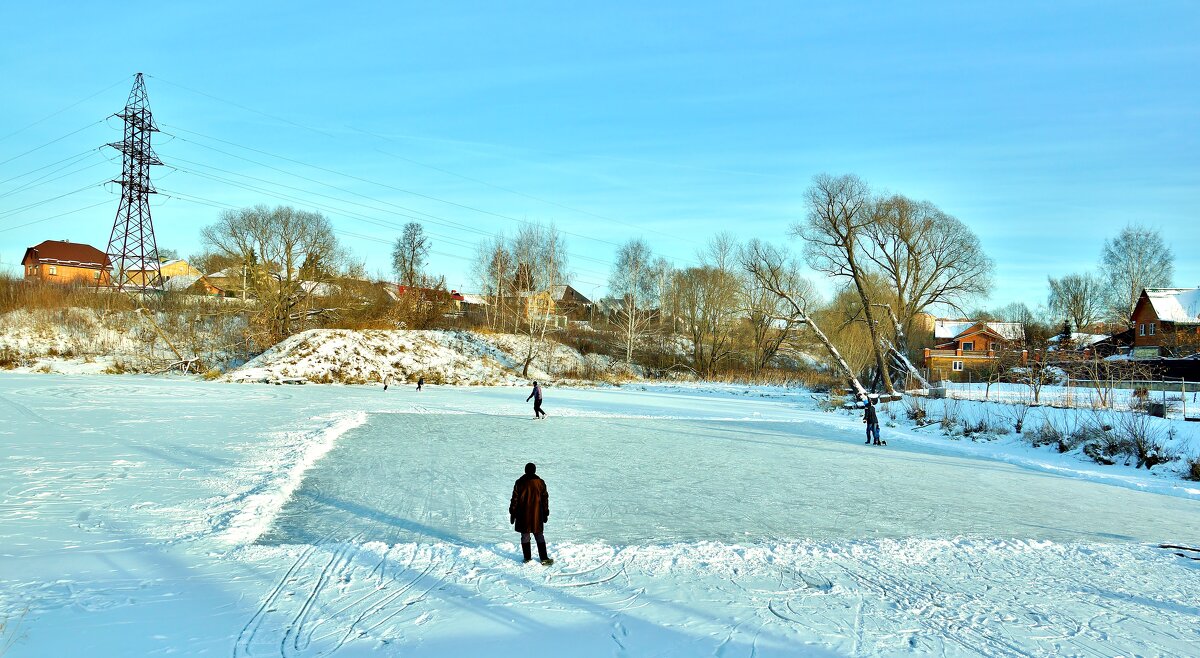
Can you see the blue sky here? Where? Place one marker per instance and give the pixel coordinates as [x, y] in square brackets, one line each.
[1044, 126]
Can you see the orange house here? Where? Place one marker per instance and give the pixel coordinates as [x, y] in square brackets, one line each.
[965, 345]
[61, 261]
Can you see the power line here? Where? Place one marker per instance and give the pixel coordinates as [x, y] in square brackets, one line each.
[38, 148]
[518, 193]
[426, 165]
[15, 211]
[42, 180]
[52, 115]
[334, 209]
[406, 212]
[34, 171]
[62, 214]
[385, 185]
[191, 198]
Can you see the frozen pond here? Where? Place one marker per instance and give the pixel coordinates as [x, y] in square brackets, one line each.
[145, 516]
[424, 478]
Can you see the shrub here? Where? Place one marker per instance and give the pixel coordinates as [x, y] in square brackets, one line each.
[212, 374]
[1145, 439]
[914, 409]
[949, 414]
[976, 428]
[1016, 413]
[1193, 468]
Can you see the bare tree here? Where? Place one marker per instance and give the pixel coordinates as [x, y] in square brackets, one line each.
[540, 255]
[409, 254]
[927, 257]
[1136, 259]
[1076, 297]
[838, 214]
[769, 319]
[705, 300]
[291, 256]
[634, 282]
[494, 269]
[775, 272]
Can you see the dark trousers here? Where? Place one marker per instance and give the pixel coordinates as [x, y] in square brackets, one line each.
[527, 550]
[537, 409]
[873, 429]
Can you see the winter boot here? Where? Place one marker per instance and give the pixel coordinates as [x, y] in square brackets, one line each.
[542, 552]
[527, 551]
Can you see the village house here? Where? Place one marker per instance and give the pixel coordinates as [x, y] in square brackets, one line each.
[1166, 322]
[962, 346]
[178, 275]
[559, 305]
[66, 262]
[166, 269]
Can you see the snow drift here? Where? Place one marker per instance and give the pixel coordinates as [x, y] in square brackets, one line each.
[441, 357]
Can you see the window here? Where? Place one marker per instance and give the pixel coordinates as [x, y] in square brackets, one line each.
[968, 346]
[96, 274]
[1141, 330]
[53, 270]
[1151, 328]
[956, 366]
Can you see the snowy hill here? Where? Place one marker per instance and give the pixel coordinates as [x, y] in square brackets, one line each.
[441, 357]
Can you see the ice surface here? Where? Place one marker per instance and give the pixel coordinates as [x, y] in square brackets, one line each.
[145, 516]
[447, 478]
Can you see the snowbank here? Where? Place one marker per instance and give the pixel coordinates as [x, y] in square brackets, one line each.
[441, 357]
[76, 340]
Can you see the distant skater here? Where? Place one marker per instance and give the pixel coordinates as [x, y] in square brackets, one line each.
[536, 395]
[420, 383]
[528, 511]
[872, 421]
[385, 381]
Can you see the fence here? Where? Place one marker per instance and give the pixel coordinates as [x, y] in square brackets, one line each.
[1179, 398]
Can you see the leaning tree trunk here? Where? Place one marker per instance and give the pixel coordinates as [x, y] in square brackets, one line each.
[898, 352]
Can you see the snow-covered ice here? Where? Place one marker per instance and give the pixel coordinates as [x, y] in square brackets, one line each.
[146, 516]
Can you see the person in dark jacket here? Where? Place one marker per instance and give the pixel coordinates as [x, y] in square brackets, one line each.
[872, 421]
[528, 511]
[536, 395]
[420, 383]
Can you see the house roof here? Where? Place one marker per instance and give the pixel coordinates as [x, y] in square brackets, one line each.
[472, 298]
[560, 291]
[947, 328]
[61, 252]
[181, 282]
[1175, 304]
[1080, 339]
[165, 263]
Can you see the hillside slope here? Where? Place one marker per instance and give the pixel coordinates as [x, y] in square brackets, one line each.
[441, 357]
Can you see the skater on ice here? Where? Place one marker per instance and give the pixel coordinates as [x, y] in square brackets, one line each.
[536, 395]
[872, 420]
[528, 511]
[420, 383]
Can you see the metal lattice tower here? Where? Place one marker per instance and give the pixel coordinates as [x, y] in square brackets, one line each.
[132, 251]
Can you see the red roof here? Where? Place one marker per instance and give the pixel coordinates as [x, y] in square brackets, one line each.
[74, 254]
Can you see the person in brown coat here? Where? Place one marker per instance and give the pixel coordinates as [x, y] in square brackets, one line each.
[528, 511]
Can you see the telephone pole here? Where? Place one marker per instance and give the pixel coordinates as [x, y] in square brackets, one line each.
[132, 250]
